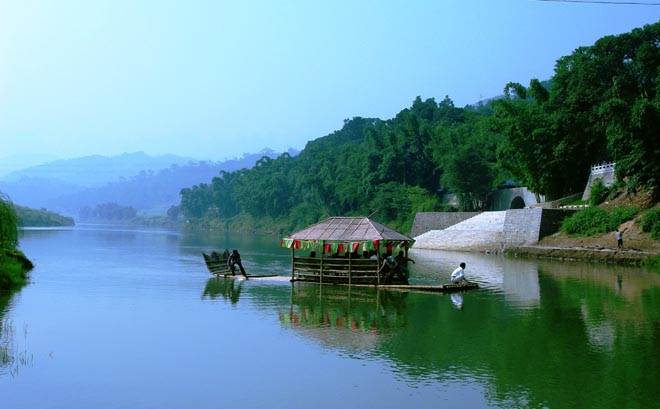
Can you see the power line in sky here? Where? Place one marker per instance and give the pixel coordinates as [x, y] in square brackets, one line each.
[628, 3]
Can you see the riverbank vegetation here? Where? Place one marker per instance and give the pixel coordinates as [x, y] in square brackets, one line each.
[602, 104]
[41, 217]
[595, 220]
[14, 266]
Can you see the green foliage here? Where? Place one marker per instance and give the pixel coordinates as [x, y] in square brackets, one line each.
[13, 264]
[467, 154]
[588, 222]
[398, 204]
[652, 263]
[594, 220]
[108, 212]
[41, 218]
[14, 267]
[8, 224]
[650, 222]
[598, 193]
[368, 166]
[621, 214]
[601, 104]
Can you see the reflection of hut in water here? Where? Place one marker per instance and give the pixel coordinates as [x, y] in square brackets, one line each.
[344, 245]
[355, 317]
[225, 288]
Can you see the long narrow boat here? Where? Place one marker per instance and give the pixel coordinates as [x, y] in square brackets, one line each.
[216, 263]
[442, 288]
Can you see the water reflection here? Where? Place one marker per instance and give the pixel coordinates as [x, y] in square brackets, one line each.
[13, 357]
[226, 288]
[581, 326]
[457, 300]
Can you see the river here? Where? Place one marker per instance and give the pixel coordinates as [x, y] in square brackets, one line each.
[127, 318]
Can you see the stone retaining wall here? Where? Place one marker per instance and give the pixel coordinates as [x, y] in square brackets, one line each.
[520, 227]
[427, 221]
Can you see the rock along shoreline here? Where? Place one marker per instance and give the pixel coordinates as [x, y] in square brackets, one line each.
[589, 254]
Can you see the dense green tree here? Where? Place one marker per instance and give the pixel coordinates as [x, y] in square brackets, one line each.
[605, 99]
[8, 224]
[465, 155]
[529, 150]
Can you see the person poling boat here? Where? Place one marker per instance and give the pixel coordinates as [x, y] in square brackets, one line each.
[235, 260]
[458, 275]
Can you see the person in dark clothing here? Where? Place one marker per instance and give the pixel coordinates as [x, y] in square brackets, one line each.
[392, 270]
[235, 260]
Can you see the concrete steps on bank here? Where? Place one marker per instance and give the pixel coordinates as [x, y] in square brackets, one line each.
[479, 233]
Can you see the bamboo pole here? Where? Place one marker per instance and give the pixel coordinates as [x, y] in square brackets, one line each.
[322, 254]
[350, 268]
[293, 258]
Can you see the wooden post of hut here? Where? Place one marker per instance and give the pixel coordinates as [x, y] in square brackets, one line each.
[293, 262]
[350, 267]
[322, 256]
[378, 265]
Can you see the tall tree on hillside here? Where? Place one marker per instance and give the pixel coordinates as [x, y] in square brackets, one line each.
[630, 111]
[603, 99]
[529, 149]
[465, 153]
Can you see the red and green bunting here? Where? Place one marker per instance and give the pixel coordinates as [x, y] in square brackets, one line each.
[344, 247]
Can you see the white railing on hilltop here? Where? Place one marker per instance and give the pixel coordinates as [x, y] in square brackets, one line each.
[604, 168]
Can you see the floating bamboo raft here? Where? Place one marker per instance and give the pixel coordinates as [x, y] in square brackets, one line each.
[442, 288]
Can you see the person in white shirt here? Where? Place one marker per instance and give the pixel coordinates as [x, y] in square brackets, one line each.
[458, 275]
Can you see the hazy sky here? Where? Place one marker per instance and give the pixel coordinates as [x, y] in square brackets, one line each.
[216, 79]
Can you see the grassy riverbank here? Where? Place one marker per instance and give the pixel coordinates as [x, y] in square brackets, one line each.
[14, 266]
[597, 241]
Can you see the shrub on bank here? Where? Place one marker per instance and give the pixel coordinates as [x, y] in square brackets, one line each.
[598, 193]
[8, 224]
[652, 263]
[594, 220]
[13, 263]
[14, 267]
[650, 222]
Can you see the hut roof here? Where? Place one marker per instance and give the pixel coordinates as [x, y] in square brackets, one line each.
[349, 229]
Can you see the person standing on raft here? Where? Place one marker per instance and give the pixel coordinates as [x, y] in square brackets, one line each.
[235, 260]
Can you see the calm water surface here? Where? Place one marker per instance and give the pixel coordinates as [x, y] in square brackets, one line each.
[131, 319]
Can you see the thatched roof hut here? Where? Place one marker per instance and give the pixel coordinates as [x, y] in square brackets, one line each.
[351, 236]
[347, 234]
[349, 229]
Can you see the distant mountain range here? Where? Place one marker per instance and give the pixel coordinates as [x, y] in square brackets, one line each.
[150, 184]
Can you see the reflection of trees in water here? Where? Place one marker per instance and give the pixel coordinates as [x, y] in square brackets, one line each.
[9, 359]
[345, 307]
[223, 287]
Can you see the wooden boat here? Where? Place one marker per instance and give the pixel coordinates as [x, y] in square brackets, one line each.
[216, 263]
[442, 288]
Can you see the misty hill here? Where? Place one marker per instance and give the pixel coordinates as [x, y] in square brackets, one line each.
[95, 170]
[148, 184]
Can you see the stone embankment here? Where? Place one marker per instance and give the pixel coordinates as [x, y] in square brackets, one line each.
[527, 233]
[596, 254]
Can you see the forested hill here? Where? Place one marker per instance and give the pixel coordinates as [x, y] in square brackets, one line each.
[603, 105]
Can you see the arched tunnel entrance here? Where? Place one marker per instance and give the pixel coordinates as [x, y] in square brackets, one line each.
[517, 203]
